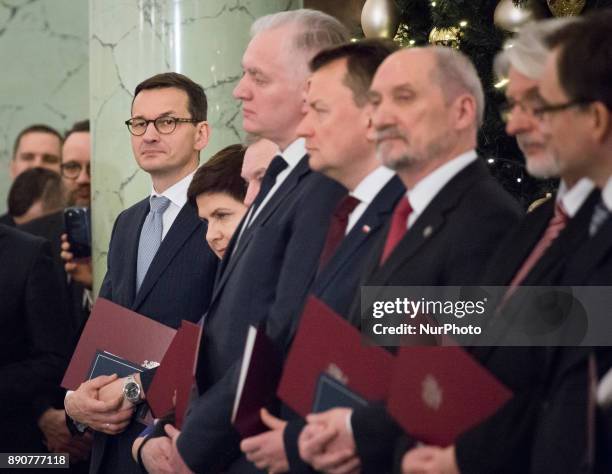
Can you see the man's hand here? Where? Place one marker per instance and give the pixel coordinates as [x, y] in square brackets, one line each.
[79, 270]
[327, 444]
[58, 439]
[176, 461]
[267, 450]
[156, 455]
[84, 406]
[430, 460]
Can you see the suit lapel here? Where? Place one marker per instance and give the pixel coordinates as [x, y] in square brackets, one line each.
[431, 219]
[375, 216]
[285, 189]
[570, 238]
[529, 233]
[184, 225]
[132, 238]
[591, 254]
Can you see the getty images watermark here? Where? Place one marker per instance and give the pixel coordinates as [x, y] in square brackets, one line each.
[487, 316]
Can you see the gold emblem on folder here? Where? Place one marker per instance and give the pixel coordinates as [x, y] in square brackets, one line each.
[336, 372]
[431, 392]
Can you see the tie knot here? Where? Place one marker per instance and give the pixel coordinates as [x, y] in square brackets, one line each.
[403, 208]
[159, 204]
[346, 206]
[277, 165]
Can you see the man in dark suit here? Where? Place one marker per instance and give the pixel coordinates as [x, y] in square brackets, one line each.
[441, 233]
[339, 83]
[159, 264]
[272, 258]
[577, 114]
[35, 325]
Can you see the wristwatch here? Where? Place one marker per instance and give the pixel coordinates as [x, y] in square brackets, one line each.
[132, 390]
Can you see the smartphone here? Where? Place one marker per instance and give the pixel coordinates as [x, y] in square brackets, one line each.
[78, 228]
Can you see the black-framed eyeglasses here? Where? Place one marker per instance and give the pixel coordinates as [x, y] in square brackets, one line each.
[528, 107]
[165, 124]
[72, 169]
[541, 112]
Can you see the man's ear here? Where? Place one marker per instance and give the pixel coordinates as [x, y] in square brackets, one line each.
[464, 110]
[202, 135]
[601, 122]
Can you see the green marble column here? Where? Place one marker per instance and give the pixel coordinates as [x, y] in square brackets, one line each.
[132, 40]
[45, 75]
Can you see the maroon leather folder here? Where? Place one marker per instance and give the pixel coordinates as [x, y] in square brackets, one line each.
[439, 392]
[326, 343]
[175, 376]
[259, 375]
[121, 332]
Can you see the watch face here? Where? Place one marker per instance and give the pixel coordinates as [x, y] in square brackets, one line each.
[132, 391]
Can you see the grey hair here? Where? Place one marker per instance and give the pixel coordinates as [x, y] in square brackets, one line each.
[314, 30]
[527, 51]
[456, 74]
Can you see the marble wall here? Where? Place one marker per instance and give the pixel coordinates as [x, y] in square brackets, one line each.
[44, 51]
[130, 41]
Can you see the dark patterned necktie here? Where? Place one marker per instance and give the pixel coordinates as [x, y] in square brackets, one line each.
[337, 228]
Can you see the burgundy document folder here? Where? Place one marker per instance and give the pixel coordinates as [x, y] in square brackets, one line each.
[175, 376]
[259, 374]
[326, 343]
[439, 392]
[124, 333]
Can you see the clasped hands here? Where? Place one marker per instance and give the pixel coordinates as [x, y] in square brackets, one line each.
[326, 443]
[100, 404]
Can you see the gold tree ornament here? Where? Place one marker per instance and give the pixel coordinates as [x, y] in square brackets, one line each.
[510, 17]
[450, 36]
[380, 19]
[566, 7]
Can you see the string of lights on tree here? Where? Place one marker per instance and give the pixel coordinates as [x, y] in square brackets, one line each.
[478, 28]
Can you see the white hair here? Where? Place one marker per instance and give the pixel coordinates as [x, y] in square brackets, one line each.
[527, 51]
[314, 30]
[456, 74]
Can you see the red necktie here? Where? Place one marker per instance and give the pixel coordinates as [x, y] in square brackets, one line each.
[555, 226]
[337, 228]
[399, 226]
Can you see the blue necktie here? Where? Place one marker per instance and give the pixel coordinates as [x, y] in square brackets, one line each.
[600, 214]
[150, 237]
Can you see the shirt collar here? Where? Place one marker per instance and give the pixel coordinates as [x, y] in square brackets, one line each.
[572, 198]
[177, 193]
[294, 152]
[425, 190]
[371, 185]
[606, 194]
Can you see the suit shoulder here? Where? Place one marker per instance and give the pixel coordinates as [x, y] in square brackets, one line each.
[19, 240]
[488, 195]
[133, 209]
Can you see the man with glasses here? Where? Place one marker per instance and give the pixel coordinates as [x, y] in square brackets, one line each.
[534, 251]
[158, 263]
[576, 117]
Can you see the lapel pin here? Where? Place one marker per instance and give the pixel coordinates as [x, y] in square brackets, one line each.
[427, 231]
[366, 229]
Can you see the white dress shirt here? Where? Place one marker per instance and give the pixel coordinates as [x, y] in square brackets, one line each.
[177, 194]
[366, 191]
[572, 199]
[292, 155]
[425, 190]
[606, 194]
